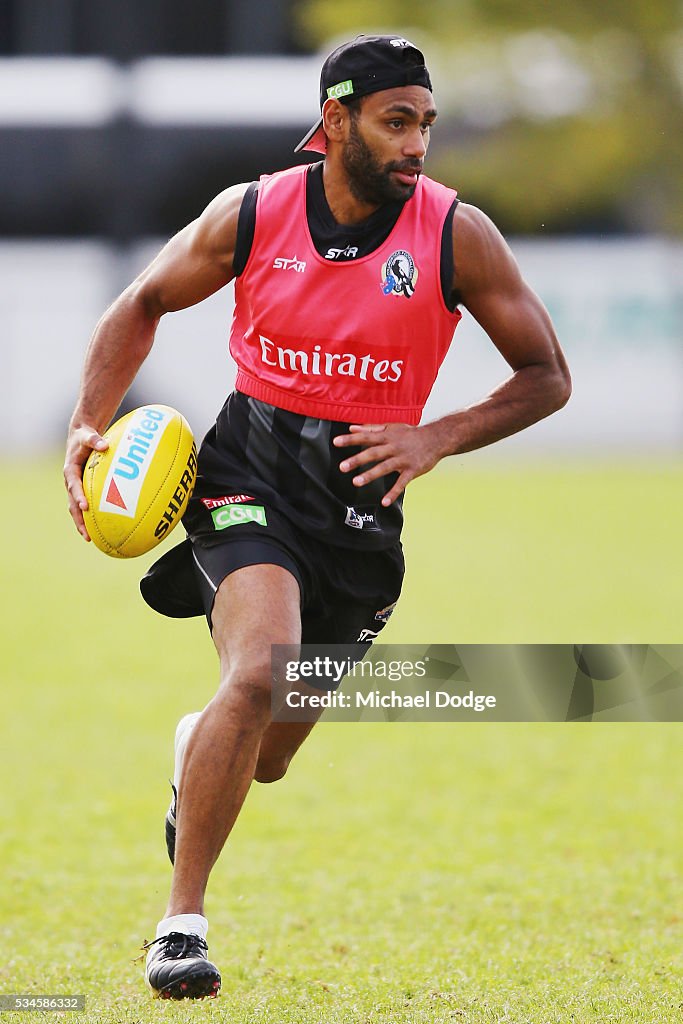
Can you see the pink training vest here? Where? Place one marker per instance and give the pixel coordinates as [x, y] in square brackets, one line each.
[359, 341]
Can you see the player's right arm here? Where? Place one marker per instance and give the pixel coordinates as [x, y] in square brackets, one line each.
[193, 265]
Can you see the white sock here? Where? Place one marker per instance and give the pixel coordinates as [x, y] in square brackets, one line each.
[182, 735]
[188, 924]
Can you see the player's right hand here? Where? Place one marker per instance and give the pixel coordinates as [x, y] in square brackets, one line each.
[80, 442]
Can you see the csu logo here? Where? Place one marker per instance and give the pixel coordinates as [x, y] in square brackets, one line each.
[234, 515]
[281, 263]
[335, 92]
[399, 274]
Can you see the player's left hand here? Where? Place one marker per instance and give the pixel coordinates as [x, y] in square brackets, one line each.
[393, 448]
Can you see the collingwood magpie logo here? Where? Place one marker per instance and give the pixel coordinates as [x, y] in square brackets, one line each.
[399, 274]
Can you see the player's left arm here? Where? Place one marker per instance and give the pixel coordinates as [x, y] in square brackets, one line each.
[489, 283]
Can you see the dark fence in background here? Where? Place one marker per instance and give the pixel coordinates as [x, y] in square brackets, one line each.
[119, 177]
[127, 29]
[128, 180]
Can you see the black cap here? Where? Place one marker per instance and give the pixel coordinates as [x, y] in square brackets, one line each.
[366, 64]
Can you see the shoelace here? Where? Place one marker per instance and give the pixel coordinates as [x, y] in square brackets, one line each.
[177, 944]
[173, 809]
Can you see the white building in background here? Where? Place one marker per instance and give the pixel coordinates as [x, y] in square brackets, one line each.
[617, 306]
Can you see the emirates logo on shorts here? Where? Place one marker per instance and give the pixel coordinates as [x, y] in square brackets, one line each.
[227, 499]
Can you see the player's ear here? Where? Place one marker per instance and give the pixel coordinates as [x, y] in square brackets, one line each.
[334, 118]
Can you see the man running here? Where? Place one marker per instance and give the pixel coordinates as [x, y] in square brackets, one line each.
[349, 278]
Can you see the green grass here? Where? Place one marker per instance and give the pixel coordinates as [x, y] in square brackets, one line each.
[401, 873]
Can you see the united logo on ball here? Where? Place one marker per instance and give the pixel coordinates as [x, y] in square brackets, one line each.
[138, 489]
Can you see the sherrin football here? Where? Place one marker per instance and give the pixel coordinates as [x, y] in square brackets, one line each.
[137, 490]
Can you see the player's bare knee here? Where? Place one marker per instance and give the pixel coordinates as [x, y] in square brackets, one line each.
[249, 682]
[271, 770]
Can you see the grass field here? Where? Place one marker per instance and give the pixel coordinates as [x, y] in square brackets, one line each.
[401, 873]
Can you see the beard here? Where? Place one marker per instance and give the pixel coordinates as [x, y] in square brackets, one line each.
[369, 180]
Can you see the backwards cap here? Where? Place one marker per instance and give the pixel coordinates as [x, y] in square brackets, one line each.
[365, 65]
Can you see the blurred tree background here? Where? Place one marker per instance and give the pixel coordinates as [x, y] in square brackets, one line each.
[554, 117]
[558, 117]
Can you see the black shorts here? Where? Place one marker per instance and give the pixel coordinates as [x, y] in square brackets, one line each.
[347, 596]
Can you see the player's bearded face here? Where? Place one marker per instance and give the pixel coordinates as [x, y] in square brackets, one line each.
[370, 180]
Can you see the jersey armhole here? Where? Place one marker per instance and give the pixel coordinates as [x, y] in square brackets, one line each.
[450, 297]
[246, 226]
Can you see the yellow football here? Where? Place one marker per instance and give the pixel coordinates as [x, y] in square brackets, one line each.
[138, 489]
